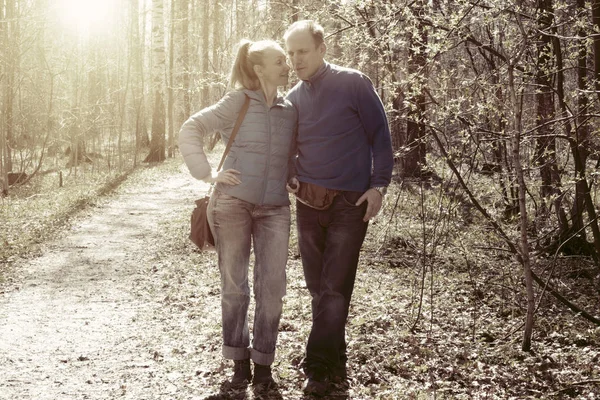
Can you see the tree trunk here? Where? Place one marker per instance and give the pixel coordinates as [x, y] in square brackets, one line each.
[524, 253]
[580, 138]
[157, 140]
[137, 77]
[578, 143]
[563, 222]
[216, 45]
[413, 160]
[181, 73]
[546, 140]
[171, 87]
[596, 23]
[10, 55]
[123, 109]
[295, 11]
[184, 37]
[3, 89]
[580, 147]
[205, 60]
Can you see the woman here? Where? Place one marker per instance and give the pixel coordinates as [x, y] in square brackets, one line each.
[250, 202]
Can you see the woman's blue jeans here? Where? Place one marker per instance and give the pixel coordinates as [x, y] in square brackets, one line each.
[330, 242]
[236, 224]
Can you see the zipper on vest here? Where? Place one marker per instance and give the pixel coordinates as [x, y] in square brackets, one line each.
[268, 165]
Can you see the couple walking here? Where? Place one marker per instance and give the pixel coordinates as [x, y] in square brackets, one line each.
[327, 142]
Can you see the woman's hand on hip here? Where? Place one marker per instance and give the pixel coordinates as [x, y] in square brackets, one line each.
[228, 177]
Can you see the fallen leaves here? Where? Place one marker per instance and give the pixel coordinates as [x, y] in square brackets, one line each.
[464, 343]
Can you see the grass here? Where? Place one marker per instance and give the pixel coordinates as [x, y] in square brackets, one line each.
[34, 212]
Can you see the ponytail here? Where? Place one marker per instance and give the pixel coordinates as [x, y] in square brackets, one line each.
[242, 73]
[249, 54]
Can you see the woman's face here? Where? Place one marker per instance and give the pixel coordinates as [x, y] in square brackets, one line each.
[274, 69]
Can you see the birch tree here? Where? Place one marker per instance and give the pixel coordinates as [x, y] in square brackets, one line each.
[157, 140]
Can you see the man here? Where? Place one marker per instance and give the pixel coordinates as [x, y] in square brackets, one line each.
[344, 157]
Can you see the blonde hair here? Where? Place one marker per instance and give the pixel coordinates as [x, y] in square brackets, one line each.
[249, 54]
[316, 30]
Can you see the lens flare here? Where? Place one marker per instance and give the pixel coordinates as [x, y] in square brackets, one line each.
[87, 16]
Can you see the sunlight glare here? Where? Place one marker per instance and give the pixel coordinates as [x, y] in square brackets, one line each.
[86, 16]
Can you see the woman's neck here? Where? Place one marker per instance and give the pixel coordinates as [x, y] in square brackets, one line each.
[270, 93]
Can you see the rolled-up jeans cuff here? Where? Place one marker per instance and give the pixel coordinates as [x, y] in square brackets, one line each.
[262, 358]
[236, 353]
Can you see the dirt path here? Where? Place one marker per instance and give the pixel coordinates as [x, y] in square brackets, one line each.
[79, 323]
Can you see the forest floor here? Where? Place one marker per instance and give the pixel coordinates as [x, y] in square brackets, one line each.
[119, 305]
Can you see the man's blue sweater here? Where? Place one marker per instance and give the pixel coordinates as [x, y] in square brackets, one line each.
[343, 135]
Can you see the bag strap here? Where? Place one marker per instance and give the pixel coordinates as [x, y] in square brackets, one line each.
[235, 130]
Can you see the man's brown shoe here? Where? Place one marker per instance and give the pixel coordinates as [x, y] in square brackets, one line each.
[316, 387]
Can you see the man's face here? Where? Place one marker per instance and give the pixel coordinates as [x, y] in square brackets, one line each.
[305, 55]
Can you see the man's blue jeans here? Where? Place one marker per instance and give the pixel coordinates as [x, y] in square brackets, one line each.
[236, 224]
[330, 242]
